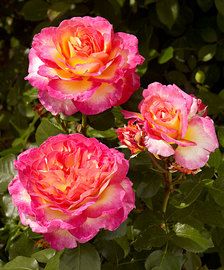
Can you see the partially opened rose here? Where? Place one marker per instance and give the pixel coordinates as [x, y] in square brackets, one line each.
[82, 65]
[70, 187]
[175, 123]
[132, 136]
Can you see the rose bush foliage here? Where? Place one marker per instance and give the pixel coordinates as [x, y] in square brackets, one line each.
[177, 222]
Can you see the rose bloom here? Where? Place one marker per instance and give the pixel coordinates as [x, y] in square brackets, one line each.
[175, 123]
[70, 187]
[82, 65]
[132, 136]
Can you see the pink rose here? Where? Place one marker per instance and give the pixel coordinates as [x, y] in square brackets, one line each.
[70, 187]
[175, 123]
[82, 65]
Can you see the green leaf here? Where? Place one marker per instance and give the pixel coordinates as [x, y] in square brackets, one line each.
[110, 250]
[57, 9]
[109, 134]
[44, 256]
[118, 116]
[35, 10]
[82, 258]
[205, 5]
[45, 130]
[124, 244]
[208, 34]
[220, 170]
[31, 94]
[215, 103]
[53, 263]
[215, 159]
[221, 135]
[177, 77]
[165, 55]
[22, 263]
[22, 247]
[220, 22]
[140, 162]
[102, 121]
[217, 191]
[200, 76]
[7, 171]
[188, 193]
[152, 53]
[191, 239]
[150, 238]
[207, 52]
[8, 207]
[167, 11]
[121, 2]
[149, 185]
[164, 261]
[193, 261]
[208, 213]
[220, 6]
[192, 62]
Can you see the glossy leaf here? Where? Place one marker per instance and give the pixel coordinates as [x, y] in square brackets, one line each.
[207, 52]
[216, 189]
[44, 256]
[163, 260]
[191, 239]
[53, 263]
[189, 191]
[167, 11]
[22, 263]
[82, 258]
[165, 55]
[7, 171]
[35, 10]
[45, 130]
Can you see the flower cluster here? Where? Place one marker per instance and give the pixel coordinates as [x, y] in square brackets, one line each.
[173, 124]
[82, 65]
[71, 187]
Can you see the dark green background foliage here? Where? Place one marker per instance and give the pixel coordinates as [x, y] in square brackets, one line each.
[183, 43]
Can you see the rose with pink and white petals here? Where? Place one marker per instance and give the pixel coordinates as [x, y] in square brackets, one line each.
[82, 65]
[175, 123]
[70, 187]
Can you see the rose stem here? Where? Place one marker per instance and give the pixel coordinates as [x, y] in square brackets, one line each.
[168, 189]
[156, 164]
[84, 124]
[167, 181]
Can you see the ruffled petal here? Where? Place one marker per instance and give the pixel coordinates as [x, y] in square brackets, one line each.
[201, 131]
[61, 239]
[129, 49]
[56, 106]
[33, 77]
[105, 96]
[80, 89]
[158, 147]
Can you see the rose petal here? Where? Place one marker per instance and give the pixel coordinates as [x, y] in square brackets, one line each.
[55, 105]
[61, 239]
[201, 131]
[158, 147]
